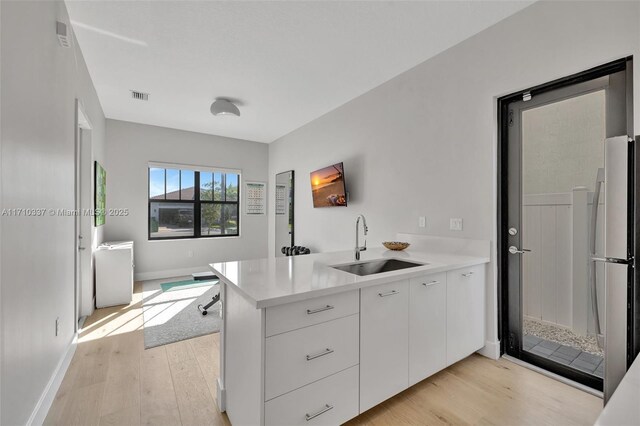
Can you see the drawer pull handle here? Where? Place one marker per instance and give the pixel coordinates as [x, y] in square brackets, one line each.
[468, 274]
[315, 311]
[430, 283]
[389, 293]
[326, 408]
[323, 353]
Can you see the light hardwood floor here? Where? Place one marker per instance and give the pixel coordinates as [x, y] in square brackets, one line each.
[113, 380]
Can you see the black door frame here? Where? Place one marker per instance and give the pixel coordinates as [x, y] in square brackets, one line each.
[633, 333]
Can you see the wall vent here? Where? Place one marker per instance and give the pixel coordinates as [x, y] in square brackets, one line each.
[141, 96]
[63, 36]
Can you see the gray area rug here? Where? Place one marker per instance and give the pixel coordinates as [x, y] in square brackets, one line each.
[173, 315]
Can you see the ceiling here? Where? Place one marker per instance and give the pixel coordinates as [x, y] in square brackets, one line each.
[285, 63]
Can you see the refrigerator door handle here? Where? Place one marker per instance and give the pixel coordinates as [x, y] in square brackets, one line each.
[615, 260]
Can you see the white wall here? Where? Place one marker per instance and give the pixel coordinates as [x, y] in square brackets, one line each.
[563, 144]
[130, 148]
[40, 81]
[1, 207]
[424, 143]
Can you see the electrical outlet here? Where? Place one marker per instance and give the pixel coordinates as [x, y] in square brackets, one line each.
[190, 253]
[57, 326]
[455, 224]
[422, 222]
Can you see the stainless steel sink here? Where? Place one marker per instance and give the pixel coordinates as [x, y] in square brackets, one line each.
[377, 266]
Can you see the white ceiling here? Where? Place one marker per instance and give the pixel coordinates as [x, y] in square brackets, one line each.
[286, 63]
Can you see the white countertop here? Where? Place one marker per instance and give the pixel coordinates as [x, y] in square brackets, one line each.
[280, 280]
[624, 406]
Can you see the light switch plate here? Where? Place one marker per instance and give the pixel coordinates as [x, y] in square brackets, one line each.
[422, 222]
[455, 224]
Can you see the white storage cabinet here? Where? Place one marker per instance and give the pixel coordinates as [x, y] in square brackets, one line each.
[427, 326]
[384, 342]
[465, 312]
[114, 274]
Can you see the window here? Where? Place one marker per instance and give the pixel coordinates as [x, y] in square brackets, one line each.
[186, 203]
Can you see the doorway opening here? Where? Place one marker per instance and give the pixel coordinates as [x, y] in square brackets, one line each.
[84, 238]
[566, 210]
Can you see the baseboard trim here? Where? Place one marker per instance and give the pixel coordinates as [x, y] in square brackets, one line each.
[170, 273]
[222, 396]
[41, 409]
[490, 349]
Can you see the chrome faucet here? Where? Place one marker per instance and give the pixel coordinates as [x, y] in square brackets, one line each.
[358, 249]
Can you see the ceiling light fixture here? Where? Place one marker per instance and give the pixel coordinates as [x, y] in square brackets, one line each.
[224, 107]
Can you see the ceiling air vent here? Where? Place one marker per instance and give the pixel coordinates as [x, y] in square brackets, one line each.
[139, 95]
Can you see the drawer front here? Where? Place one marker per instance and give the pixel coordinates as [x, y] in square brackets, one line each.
[296, 315]
[299, 357]
[427, 326]
[465, 312]
[330, 401]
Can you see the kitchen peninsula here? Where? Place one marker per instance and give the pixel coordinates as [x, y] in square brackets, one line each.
[306, 343]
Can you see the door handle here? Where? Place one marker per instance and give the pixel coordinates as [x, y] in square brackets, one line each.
[81, 248]
[515, 250]
[613, 260]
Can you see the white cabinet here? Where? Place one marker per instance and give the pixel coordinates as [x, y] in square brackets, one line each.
[330, 401]
[427, 326]
[323, 360]
[114, 274]
[384, 342]
[302, 314]
[302, 356]
[465, 312]
[310, 361]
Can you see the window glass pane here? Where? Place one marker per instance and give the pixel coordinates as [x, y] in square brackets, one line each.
[217, 187]
[219, 219]
[173, 184]
[210, 219]
[171, 220]
[187, 191]
[206, 186]
[232, 187]
[156, 183]
[229, 219]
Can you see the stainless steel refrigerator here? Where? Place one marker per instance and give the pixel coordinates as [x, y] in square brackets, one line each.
[617, 258]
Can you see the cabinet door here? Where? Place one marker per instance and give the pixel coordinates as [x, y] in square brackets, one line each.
[465, 312]
[384, 342]
[427, 326]
[114, 276]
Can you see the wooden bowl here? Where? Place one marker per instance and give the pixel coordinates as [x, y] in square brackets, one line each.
[395, 245]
